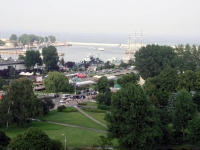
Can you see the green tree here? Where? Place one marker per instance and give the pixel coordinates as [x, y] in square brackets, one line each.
[62, 62]
[1, 83]
[22, 57]
[187, 81]
[158, 96]
[194, 131]
[128, 78]
[103, 85]
[184, 110]
[152, 59]
[52, 38]
[21, 100]
[46, 39]
[168, 79]
[47, 104]
[13, 37]
[104, 96]
[50, 57]
[54, 81]
[32, 58]
[56, 145]
[33, 138]
[132, 120]
[2, 43]
[4, 139]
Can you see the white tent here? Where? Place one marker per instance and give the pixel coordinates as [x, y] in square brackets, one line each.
[25, 74]
[85, 83]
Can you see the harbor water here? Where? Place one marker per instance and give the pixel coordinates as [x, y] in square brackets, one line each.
[77, 53]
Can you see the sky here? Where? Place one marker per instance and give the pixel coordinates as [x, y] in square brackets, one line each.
[154, 17]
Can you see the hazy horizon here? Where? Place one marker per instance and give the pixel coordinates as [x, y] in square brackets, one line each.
[166, 19]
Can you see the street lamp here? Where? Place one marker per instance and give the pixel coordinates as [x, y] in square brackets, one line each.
[65, 140]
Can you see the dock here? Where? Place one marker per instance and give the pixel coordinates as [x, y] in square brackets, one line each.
[20, 52]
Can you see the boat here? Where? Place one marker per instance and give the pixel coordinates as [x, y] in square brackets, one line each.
[68, 44]
[101, 49]
[91, 59]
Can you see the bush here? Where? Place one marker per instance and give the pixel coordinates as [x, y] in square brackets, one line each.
[56, 144]
[84, 104]
[94, 110]
[103, 107]
[70, 109]
[60, 108]
[83, 87]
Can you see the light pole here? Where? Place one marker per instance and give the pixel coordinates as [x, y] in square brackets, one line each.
[65, 140]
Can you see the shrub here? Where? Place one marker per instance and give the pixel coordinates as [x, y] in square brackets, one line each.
[60, 108]
[70, 109]
[94, 110]
[82, 104]
[83, 87]
[103, 107]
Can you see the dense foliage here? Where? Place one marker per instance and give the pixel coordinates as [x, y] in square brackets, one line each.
[132, 120]
[32, 58]
[33, 138]
[50, 58]
[4, 139]
[152, 59]
[19, 103]
[57, 82]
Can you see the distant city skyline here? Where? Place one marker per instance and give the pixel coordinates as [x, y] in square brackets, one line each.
[164, 18]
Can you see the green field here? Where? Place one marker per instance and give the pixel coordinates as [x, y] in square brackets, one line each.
[91, 104]
[75, 136]
[97, 116]
[74, 118]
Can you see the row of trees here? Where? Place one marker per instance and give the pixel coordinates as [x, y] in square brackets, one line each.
[152, 59]
[50, 58]
[25, 39]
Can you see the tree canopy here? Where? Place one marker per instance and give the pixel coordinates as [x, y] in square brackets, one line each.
[13, 37]
[184, 110]
[33, 138]
[19, 103]
[128, 78]
[152, 59]
[132, 119]
[52, 38]
[32, 58]
[50, 57]
[55, 81]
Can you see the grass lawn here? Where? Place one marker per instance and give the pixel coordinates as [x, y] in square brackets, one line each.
[91, 104]
[97, 116]
[75, 136]
[75, 118]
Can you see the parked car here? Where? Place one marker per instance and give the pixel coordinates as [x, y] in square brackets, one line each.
[53, 95]
[65, 95]
[63, 100]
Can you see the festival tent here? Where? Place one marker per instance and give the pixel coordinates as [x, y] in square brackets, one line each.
[80, 75]
[25, 74]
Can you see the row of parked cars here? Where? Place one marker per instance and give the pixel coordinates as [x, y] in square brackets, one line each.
[79, 95]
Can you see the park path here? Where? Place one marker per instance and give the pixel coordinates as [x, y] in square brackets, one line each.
[90, 117]
[75, 126]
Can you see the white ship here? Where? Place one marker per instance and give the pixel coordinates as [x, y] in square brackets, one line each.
[101, 49]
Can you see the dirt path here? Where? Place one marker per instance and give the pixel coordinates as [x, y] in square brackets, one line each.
[74, 126]
[90, 117]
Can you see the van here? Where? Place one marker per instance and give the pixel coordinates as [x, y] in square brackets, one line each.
[65, 96]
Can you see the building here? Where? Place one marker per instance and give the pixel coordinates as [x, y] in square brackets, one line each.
[6, 63]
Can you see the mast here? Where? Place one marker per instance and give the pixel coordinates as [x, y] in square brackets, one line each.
[141, 38]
